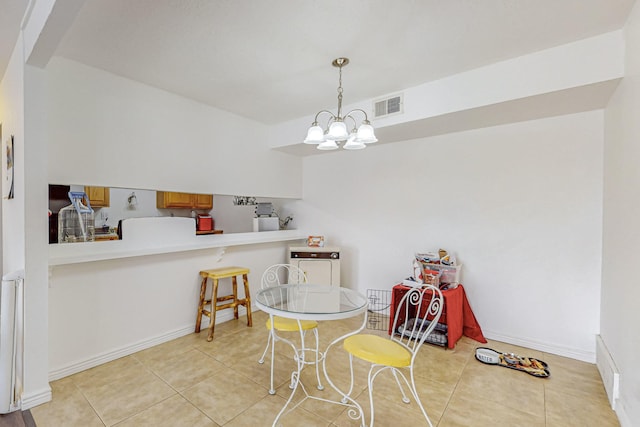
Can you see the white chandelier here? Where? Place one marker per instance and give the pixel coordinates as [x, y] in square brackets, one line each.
[336, 129]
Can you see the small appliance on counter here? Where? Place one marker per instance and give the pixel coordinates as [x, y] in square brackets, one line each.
[266, 219]
[264, 209]
[271, 223]
[204, 223]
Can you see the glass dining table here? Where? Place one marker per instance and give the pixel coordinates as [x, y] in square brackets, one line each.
[319, 303]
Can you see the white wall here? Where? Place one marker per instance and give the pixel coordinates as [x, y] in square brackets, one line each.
[12, 117]
[99, 311]
[23, 226]
[519, 204]
[109, 131]
[36, 239]
[620, 290]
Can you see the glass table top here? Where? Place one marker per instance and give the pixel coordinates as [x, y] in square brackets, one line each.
[314, 302]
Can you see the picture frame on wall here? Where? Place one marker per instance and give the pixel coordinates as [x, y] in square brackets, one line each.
[8, 184]
[315, 241]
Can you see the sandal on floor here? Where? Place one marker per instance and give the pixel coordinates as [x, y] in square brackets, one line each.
[531, 366]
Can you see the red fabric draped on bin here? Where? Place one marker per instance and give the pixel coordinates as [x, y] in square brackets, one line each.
[457, 314]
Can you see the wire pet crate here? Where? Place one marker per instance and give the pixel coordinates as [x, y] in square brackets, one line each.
[439, 335]
[379, 310]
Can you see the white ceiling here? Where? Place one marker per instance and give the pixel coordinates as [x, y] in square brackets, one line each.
[270, 60]
[11, 13]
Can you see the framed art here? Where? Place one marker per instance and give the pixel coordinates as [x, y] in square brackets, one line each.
[8, 185]
[315, 241]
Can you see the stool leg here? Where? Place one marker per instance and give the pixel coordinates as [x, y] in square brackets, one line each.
[203, 288]
[247, 298]
[235, 297]
[214, 302]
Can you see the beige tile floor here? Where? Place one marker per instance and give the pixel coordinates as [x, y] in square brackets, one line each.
[191, 382]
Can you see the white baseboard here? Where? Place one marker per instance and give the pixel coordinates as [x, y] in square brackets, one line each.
[608, 371]
[573, 353]
[83, 365]
[30, 400]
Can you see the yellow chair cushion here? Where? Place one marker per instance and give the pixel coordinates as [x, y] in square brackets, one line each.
[379, 350]
[291, 325]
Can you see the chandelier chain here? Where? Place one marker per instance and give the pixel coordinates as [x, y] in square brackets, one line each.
[340, 92]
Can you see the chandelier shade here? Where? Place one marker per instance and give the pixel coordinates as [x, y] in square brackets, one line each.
[353, 143]
[315, 135]
[366, 134]
[328, 145]
[336, 131]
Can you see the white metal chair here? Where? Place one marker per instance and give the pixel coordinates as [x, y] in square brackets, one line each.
[282, 274]
[416, 316]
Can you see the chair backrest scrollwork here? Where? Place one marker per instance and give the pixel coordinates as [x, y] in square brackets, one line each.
[417, 316]
[282, 274]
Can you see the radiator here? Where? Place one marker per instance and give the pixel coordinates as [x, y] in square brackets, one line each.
[11, 341]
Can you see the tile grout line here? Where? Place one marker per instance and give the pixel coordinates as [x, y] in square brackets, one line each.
[469, 356]
[149, 370]
[88, 402]
[178, 392]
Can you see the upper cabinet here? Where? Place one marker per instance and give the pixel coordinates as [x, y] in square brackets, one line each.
[166, 199]
[98, 196]
[204, 201]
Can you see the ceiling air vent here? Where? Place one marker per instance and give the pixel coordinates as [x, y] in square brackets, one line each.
[388, 106]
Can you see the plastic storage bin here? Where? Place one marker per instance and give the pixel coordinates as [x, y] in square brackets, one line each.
[449, 274]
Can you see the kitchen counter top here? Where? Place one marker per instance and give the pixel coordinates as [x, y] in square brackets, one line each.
[200, 233]
[141, 237]
[73, 253]
[106, 236]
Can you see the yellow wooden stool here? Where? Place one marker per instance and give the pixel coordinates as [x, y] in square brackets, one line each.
[216, 274]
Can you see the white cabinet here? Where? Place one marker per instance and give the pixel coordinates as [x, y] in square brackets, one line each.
[320, 265]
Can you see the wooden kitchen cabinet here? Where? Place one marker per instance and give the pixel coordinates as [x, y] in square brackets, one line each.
[204, 201]
[165, 199]
[98, 196]
[168, 199]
